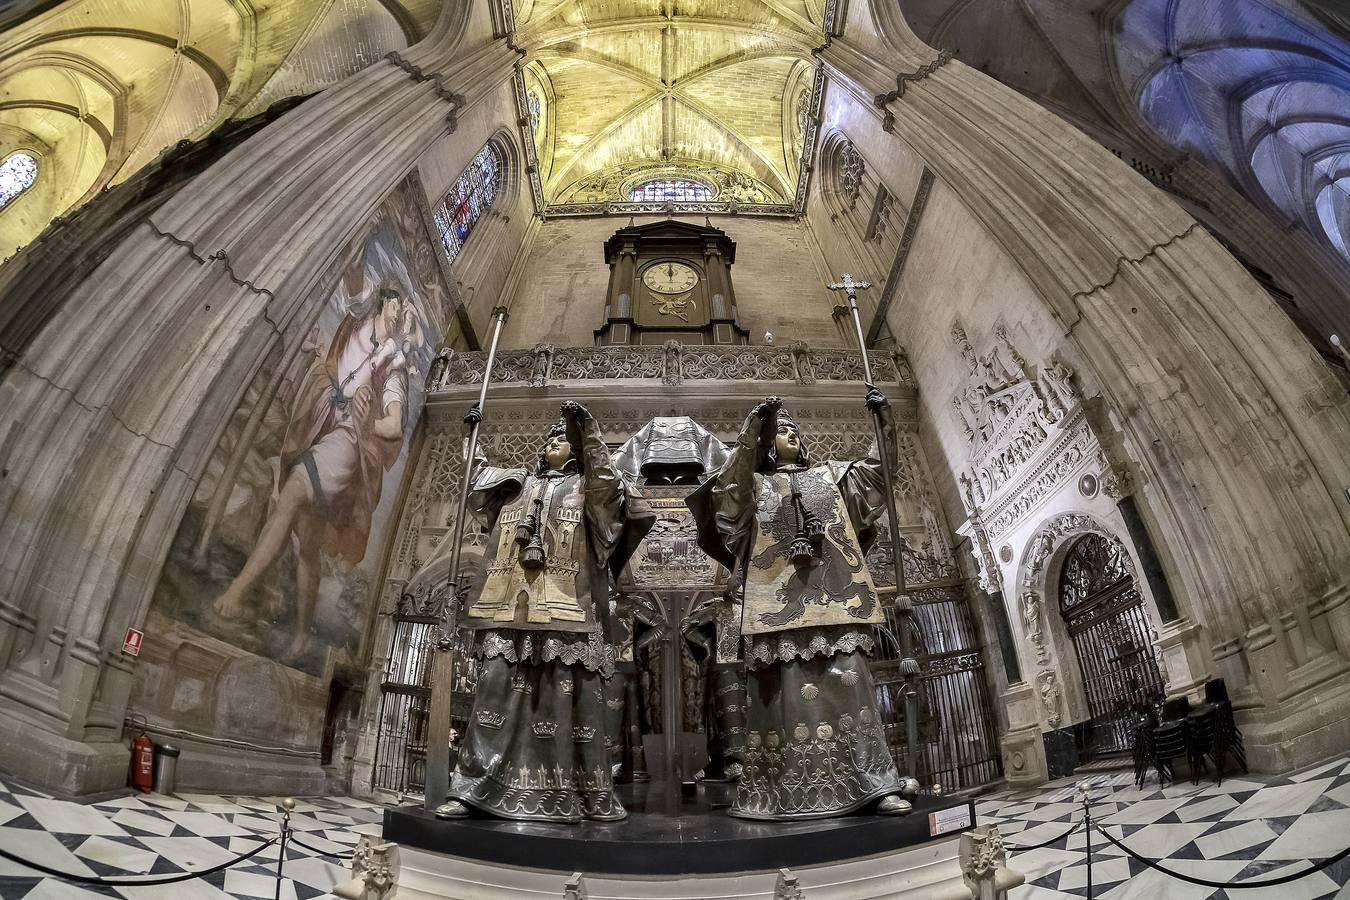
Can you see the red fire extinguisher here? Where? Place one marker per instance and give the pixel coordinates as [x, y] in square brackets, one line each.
[143, 761]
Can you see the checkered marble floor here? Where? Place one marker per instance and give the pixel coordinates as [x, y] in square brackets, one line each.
[153, 834]
[1250, 827]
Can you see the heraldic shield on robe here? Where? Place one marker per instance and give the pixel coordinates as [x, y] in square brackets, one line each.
[536, 743]
[799, 530]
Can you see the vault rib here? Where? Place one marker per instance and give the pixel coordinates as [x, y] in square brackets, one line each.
[600, 136]
[713, 119]
[727, 62]
[596, 59]
[547, 38]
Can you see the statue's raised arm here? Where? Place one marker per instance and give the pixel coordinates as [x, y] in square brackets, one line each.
[724, 506]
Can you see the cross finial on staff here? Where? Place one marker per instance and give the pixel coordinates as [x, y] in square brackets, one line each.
[849, 286]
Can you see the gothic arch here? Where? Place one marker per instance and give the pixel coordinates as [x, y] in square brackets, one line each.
[843, 168]
[858, 204]
[1055, 669]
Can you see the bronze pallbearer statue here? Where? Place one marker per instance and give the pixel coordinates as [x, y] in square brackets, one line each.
[799, 530]
[535, 745]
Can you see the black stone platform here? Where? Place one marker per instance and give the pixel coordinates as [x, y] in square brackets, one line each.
[665, 834]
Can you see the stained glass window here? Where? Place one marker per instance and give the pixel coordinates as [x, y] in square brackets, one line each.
[681, 190]
[471, 196]
[534, 106]
[17, 174]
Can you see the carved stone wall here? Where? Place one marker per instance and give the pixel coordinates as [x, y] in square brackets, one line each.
[1232, 428]
[1033, 480]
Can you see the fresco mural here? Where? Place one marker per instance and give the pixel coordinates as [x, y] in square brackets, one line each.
[280, 549]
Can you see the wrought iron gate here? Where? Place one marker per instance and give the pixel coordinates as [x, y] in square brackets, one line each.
[958, 747]
[1105, 616]
[401, 745]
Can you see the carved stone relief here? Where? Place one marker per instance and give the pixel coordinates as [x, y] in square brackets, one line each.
[1028, 438]
[1047, 686]
[673, 363]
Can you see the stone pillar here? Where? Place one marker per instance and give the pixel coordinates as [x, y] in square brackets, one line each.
[1185, 658]
[1023, 750]
[1236, 426]
[1147, 558]
[111, 411]
[998, 614]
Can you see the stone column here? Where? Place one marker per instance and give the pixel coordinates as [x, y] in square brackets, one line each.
[1024, 763]
[113, 408]
[1237, 427]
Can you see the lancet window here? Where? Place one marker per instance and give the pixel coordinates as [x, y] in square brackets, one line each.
[17, 174]
[472, 195]
[533, 104]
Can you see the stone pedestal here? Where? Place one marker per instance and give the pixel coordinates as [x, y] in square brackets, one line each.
[1023, 751]
[928, 871]
[1184, 657]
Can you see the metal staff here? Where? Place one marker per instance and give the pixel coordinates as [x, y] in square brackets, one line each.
[909, 666]
[438, 719]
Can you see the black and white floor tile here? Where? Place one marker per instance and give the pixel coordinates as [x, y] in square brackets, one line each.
[1252, 827]
[153, 834]
[1249, 827]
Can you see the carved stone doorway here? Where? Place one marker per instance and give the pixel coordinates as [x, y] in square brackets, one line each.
[1105, 617]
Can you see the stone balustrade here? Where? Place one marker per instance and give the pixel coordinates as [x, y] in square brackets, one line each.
[670, 364]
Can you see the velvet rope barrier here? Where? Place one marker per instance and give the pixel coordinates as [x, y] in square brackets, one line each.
[1229, 885]
[1054, 840]
[134, 882]
[299, 843]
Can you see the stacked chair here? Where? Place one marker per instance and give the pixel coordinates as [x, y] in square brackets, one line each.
[1201, 733]
[1227, 736]
[1144, 722]
[1178, 730]
[1169, 738]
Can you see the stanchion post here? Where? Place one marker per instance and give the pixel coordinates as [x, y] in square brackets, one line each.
[437, 778]
[285, 807]
[1085, 789]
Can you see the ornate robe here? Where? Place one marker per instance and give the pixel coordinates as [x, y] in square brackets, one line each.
[536, 744]
[816, 745]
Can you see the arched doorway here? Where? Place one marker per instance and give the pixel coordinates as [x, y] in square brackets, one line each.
[1105, 617]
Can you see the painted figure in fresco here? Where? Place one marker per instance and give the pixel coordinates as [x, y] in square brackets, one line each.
[799, 530]
[346, 429]
[535, 748]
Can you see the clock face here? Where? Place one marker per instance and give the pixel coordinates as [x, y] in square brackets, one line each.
[670, 278]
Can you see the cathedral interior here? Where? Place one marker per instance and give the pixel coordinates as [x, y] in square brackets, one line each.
[1027, 323]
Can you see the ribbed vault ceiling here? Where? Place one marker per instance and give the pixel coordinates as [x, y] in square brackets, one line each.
[98, 88]
[1257, 88]
[639, 87]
